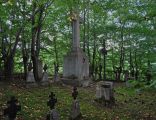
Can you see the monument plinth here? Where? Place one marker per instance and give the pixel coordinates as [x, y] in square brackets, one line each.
[76, 64]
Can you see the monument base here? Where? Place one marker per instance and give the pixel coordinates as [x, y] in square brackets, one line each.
[76, 82]
[30, 80]
[76, 68]
[45, 80]
[31, 85]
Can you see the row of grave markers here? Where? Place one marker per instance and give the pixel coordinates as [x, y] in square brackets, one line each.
[30, 80]
[104, 92]
[13, 107]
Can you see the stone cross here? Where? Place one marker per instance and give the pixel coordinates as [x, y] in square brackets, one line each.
[53, 113]
[12, 109]
[75, 30]
[75, 110]
[52, 101]
[74, 93]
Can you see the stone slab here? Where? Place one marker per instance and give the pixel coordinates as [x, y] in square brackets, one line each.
[104, 89]
[30, 77]
[45, 80]
[54, 115]
[75, 110]
[76, 67]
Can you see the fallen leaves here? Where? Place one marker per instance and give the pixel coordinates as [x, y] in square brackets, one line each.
[129, 105]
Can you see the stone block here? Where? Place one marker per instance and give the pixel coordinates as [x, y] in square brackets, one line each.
[104, 90]
[45, 80]
[30, 80]
[76, 65]
[75, 110]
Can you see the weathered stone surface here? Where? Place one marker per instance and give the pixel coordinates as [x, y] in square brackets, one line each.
[54, 115]
[107, 91]
[104, 90]
[76, 63]
[99, 91]
[75, 110]
[30, 77]
[30, 80]
[45, 80]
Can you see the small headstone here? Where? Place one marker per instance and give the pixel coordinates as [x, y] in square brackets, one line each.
[104, 91]
[53, 113]
[75, 109]
[98, 92]
[45, 80]
[128, 84]
[126, 78]
[30, 79]
[12, 109]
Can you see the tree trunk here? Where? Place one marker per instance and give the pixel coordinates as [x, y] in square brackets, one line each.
[94, 50]
[25, 58]
[136, 66]
[35, 45]
[8, 68]
[56, 52]
[9, 59]
[99, 68]
[122, 54]
[88, 33]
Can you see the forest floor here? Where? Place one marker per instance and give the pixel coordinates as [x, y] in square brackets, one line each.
[130, 104]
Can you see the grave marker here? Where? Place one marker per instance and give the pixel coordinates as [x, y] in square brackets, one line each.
[75, 109]
[53, 113]
[76, 63]
[12, 109]
[105, 92]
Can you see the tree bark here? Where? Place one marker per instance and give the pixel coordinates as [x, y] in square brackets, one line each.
[35, 43]
[56, 52]
[9, 60]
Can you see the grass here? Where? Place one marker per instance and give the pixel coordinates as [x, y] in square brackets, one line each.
[129, 104]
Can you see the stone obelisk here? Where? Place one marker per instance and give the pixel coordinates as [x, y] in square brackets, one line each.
[76, 65]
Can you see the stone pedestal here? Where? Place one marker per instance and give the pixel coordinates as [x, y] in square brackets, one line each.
[105, 93]
[30, 80]
[54, 115]
[45, 80]
[75, 110]
[76, 68]
[104, 90]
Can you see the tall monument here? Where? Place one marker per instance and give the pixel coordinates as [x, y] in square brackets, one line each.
[76, 65]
